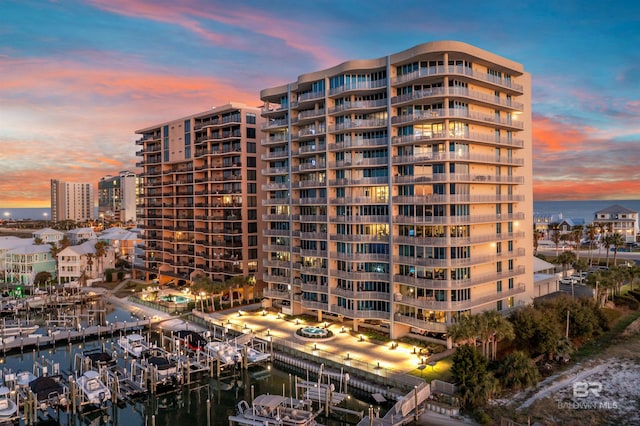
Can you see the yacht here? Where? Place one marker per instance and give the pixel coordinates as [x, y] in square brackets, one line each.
[271, 410]
[135, 345]
[8, 407]
[93, 389]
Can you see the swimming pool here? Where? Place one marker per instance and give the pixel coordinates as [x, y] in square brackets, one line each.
[178, 300]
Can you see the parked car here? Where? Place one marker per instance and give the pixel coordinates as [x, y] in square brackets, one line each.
[568, 281]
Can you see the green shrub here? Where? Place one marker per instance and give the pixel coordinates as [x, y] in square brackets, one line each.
[626, 301]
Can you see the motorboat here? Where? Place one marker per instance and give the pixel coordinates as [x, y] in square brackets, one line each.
[23, 378]
[226, 353]
[271, 410]
[8, 407]
[255, 356]
[49, 391]
[166, 371]
[135, 345]
[15, 330]
[93, 389]
[191, 339]
[100, 359]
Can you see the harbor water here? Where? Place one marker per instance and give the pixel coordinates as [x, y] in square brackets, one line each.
[204, 401]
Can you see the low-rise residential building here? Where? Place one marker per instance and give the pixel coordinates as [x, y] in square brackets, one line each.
[48, 235]
[618, 219]
[80, 235]
[22, 264]
[122, 241]
[80, 263]
[6, 244]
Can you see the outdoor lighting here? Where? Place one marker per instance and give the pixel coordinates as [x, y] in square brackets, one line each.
[393, 345]
[414, 350]
[361, 338]
[348, 355]
[268, 332]
[343, 330]
[378, 365]
[264, 313]
[297, 321]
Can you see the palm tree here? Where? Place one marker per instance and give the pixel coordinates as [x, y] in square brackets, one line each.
[606, 242]
[517, 371]
[617, 241]
[537, 236]
[576, 235]
[634, 272]
[56, 249]
[592, 230]
[101, 251]
[555, 235]
[465, 331]
[502, 329]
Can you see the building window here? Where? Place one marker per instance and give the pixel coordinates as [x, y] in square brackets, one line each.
[252, 214]
[251, 132]
[251, 161]
[251, 188]
[499, 286]
[499, 305]
[251, 118]
[251, 147]
[252, 227]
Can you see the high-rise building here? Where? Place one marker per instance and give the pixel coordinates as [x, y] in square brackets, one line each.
[200, 201]
[117, 197]
[399, 189]
[71, 201]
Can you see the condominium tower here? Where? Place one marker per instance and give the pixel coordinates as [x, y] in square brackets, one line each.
[117, 197]
[399, 189]
[200, 200]
[71, 201]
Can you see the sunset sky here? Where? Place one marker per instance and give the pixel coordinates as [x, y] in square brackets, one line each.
[77, 78]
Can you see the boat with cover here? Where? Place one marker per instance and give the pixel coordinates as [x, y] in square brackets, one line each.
[8, 407]
[93, 389]
[167, 372]
[192, 339]
[135, 345]
[100, 358]
[48, 391]
[271, 410]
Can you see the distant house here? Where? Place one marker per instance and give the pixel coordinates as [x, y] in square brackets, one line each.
[6, 244]
[22, 264]
[79, 235]
[78, 262]
[123, 242]
[618, 219]
[48, 235]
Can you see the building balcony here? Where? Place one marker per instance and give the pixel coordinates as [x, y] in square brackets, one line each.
[458, 263]
[436, 327]
[359, 106]
[313, 270]
[419, 281]
[362, 314]
[362, 238]
[275, 139]
[359, 86]
[276, 294]
[454, 306]
[454, 241]
[314, 288]
[275, 124]
[483, 138]
[473, 95]
[312, 304]
[360, 219]
[365, 162]
[453, 156]
[457, 220]
[276, 201]
[354, 142]
[452, 113]
[308, 96]
[360, 294]
[459, 70]
[378, 180]
[275, 155]
[276, 279]
[318, 218]
[358, 124]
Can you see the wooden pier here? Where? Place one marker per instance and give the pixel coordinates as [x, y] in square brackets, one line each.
[55, 337]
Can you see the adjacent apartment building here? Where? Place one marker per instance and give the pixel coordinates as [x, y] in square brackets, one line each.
[201, 208]
[71, 201]
[117, 197]
[399, 189]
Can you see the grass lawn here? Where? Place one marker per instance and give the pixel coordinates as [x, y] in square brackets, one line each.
[440, 371]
